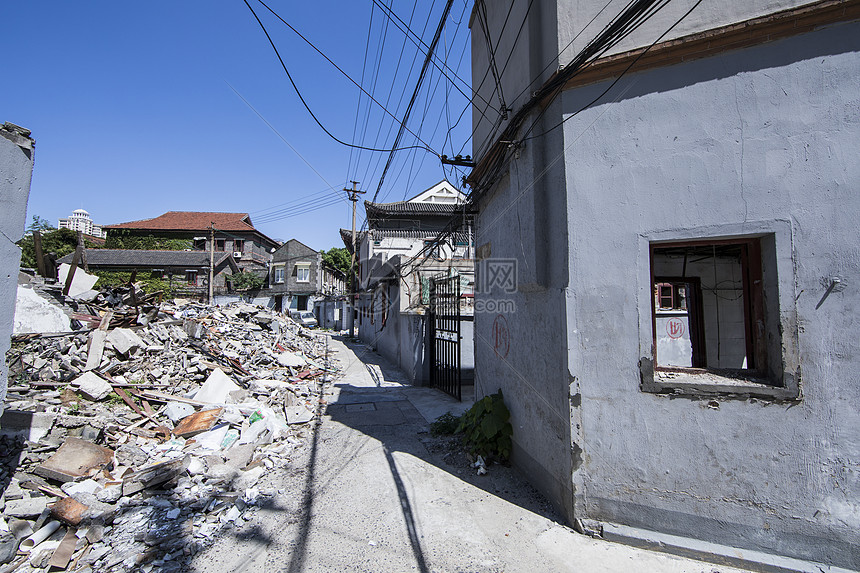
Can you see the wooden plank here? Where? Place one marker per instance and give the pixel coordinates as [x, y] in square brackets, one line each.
[127, 399]
[40, 255]
[71, 276]
[75, 459]
[97, 342]
[164, 397]
[63, 554]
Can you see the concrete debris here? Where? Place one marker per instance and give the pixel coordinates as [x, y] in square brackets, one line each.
[133, 442]
[35, 314]
[81, 282]
[216, 389]
[75, 459]
[92, 386]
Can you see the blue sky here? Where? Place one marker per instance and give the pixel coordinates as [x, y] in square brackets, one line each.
[134, 113]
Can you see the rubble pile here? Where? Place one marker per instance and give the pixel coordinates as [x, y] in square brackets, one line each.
[131, 448]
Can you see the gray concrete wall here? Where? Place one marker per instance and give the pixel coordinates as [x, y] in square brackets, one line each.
[526, 56]
[520, 337]
[757, 142]
[16, 167]
[581, 20]
[403, 339]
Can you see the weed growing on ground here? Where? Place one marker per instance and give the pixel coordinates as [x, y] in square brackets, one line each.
[445, 425]
[487, 428]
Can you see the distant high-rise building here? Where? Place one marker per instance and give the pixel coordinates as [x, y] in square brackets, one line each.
[80, 220]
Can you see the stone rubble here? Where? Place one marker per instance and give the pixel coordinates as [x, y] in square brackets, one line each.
[138, 461]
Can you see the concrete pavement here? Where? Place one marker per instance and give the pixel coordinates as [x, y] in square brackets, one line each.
[370, 495]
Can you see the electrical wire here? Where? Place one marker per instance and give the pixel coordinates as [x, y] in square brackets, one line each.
[305, 104]
[617, 79]
[421, 76]
[419, 43]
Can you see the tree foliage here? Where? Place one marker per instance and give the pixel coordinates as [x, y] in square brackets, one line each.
[120, 239]
[61, 242]
[337, 257]
[40, 224]
[246, 280]
[149, 283]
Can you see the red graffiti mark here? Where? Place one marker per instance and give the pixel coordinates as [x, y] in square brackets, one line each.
[675, 328]
[501, 337]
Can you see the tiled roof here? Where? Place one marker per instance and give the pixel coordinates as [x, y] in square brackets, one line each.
[147, 259]
[379, 234]
[374, 210]
[190, 221]
[346, 237]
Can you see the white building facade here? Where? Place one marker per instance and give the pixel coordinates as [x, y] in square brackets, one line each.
[81, 221]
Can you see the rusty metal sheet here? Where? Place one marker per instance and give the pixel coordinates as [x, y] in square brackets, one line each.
[195, 423]
[69, 510]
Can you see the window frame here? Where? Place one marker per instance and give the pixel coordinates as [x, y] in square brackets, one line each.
[283, 271]
[191, 277]
[303, 267]
[779, 326]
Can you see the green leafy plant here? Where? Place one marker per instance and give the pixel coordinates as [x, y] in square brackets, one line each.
[246, 280]
[149, 284]
[445, 425]
[125, 239]
[487, 428]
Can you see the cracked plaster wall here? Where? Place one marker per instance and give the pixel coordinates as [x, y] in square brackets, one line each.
[762, 140]
[16, 169]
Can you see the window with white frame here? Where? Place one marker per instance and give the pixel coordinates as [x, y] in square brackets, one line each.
[303, 272]
[279, 274]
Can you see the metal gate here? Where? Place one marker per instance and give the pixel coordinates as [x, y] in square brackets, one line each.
[444, 323]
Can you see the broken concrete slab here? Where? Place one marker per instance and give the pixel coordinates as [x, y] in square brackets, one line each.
[75, 459]
[197, 423]
[24, 508]
[292, 359]
[298, 415]
[92, 386]
[125, 340]
[175, 411]
[33, 425]
[81, 281]
[216, 388]
[35, 314]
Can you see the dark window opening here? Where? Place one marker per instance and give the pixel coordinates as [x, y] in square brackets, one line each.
[219, 245]
[238, 246]
[708, 308]
[433, 250]
[191, 277]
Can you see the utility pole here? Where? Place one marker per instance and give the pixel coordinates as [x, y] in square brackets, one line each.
[211, 262]
[353, 196]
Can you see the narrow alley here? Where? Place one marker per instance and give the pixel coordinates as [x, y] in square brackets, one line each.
[376, 492]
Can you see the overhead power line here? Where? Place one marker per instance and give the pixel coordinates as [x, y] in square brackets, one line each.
[403, 127]
[304, 102]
